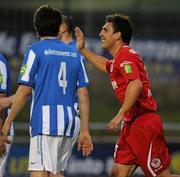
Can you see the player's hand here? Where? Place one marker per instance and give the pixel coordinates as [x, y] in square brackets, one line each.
[80, 42]
[6, 102]
[3, 141]
[85, 143]
[6, 127]
[113, 124]
[2, 104]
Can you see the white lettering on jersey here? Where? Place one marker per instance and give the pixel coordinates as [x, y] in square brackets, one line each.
[62, 77]
[111, 67]
[114, 85]
[60, 53]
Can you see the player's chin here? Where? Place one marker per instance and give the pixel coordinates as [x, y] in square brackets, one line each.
[103, 46]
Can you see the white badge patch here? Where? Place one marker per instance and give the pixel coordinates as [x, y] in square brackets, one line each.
[155, 163]
[127, 66]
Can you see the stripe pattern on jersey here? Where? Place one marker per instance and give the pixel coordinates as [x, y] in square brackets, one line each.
[64, 127]
[30, 62]
[52, 109]
[3, 72]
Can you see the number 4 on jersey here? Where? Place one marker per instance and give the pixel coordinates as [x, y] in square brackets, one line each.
[62, 77]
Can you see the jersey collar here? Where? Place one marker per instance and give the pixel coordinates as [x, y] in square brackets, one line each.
[124, 45]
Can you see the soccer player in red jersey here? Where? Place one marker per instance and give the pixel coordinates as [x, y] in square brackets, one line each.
[141, 142]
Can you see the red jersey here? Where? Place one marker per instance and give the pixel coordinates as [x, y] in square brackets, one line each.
[127, 66]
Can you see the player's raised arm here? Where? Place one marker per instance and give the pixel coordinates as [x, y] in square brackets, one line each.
[96, 60]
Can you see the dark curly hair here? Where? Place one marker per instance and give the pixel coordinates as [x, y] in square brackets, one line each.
[47, 21]
[122, 24]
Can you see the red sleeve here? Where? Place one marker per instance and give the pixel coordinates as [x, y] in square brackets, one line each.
[128, 67]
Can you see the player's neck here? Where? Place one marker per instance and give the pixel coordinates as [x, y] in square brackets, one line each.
[66, 38]
[113, 50]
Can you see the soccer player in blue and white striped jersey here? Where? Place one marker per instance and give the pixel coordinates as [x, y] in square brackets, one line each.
[50, 72]
[4, 93]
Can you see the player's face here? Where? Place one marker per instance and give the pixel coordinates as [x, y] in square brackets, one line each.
[107, 36]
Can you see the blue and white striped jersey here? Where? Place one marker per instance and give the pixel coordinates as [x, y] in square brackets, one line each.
[52, 69]
[5, 81]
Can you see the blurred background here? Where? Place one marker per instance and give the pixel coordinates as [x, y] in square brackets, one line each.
[156, 38]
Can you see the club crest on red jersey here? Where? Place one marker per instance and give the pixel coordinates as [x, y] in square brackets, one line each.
[127, 66]
[155, 163]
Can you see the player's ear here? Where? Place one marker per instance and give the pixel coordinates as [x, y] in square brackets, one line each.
[117, 35]
[62, 28]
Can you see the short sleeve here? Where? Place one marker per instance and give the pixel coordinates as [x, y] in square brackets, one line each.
[83, 80]
[128, 68]
[3, 75]
[29, 68]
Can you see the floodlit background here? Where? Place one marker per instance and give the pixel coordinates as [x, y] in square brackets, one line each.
[156, 38]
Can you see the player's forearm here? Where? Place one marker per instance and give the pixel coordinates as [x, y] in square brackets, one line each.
[19, 100]
[133, 91]
[83, 96]
[96, 60]
[84, 116]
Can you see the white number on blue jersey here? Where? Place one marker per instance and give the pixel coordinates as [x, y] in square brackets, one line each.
[62, 77]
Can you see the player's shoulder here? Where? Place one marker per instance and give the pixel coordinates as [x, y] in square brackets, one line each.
[72, 44]
[128, 50]
[65, 46]
[2, 58]
[34, 45]
[72, 47]
[128, 53]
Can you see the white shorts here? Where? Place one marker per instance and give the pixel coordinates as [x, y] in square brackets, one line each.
[50, 153]
[3, 159]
